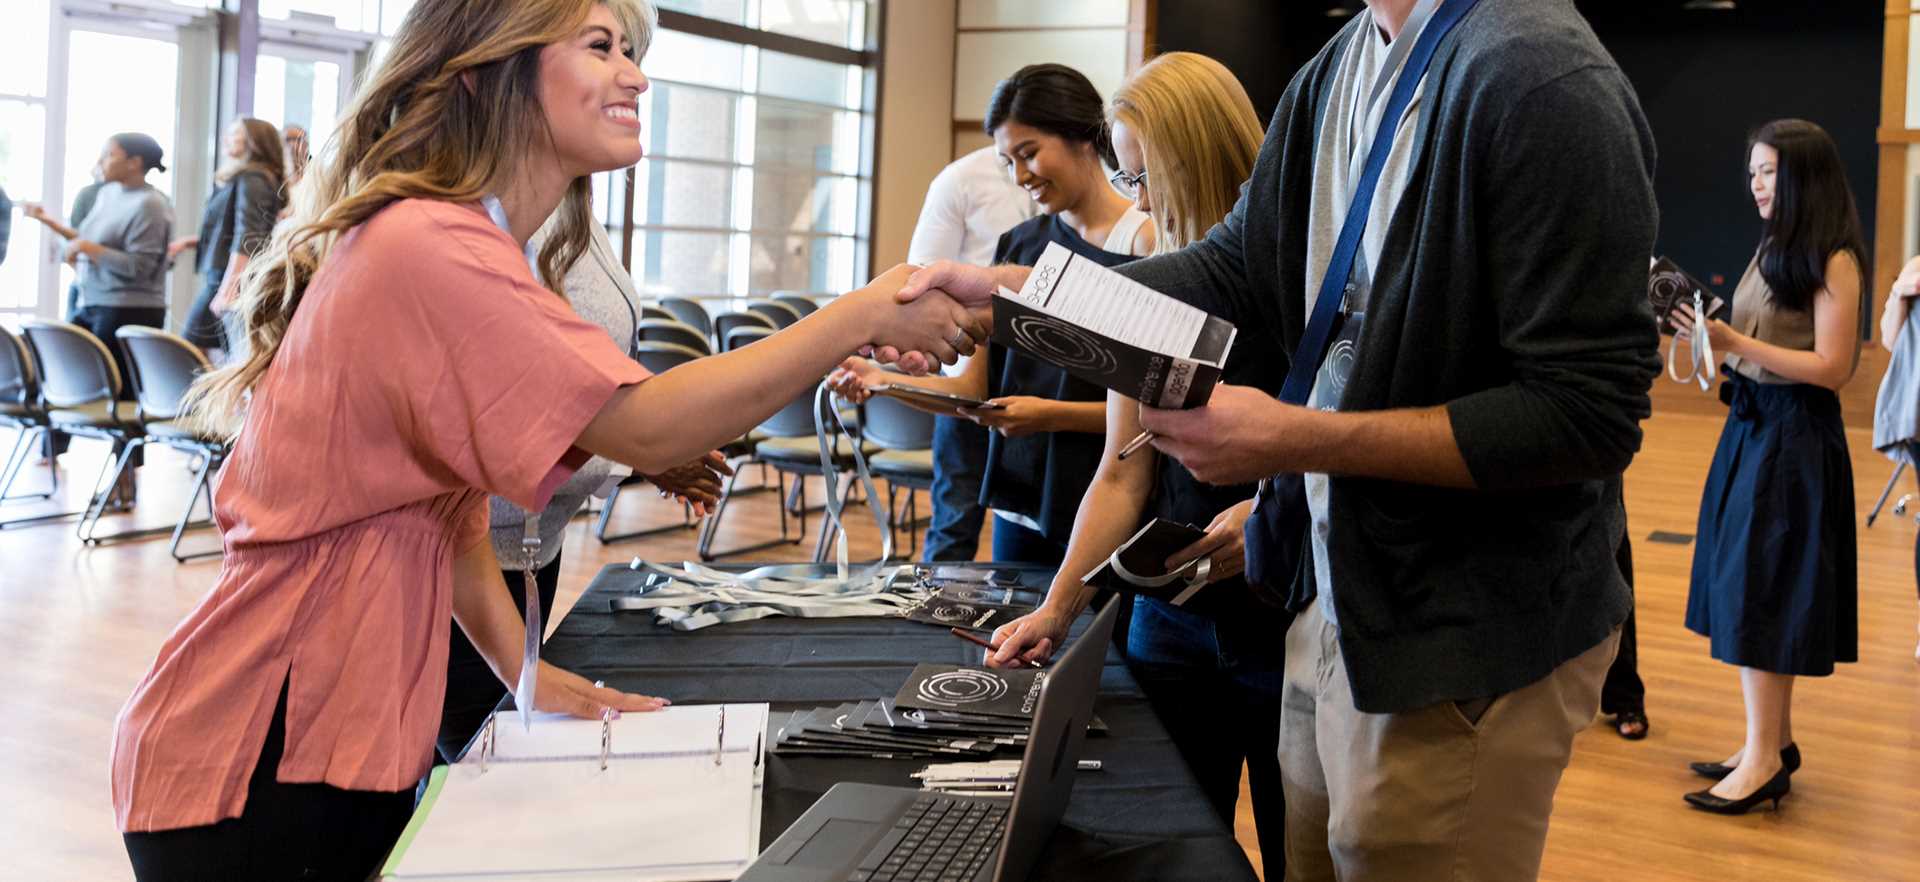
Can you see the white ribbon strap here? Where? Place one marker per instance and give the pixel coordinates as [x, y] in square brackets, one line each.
[1193, 574]
[523, 693]
[823, 405]
[1700, 361]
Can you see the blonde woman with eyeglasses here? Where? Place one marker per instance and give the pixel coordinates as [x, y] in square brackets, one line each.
[408, 355]
[1185, 135]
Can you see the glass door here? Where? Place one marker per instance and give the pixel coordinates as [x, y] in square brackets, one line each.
[303, 86]
[23, 151]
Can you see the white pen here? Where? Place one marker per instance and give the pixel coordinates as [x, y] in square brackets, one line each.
[1139, 441]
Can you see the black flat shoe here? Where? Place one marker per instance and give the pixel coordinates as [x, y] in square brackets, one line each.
[1624, 719]
[1789, 757]
[1776, 787]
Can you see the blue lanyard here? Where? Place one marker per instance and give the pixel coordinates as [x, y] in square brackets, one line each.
[1326, 306]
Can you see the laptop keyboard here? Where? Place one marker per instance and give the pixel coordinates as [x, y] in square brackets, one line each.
[939, 839]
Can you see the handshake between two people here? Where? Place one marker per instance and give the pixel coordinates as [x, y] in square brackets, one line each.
[943, 311]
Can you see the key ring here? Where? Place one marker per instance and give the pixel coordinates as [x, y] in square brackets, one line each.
[1700, 362]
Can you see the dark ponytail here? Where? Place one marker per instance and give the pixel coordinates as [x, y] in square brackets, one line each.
[1055, 99]
[1814, 215]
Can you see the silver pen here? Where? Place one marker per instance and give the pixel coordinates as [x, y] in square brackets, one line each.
[720, 742]
[1139, 441]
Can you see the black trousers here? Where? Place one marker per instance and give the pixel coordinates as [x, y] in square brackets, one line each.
[287, 831]
[1623, 689]
[472, 689]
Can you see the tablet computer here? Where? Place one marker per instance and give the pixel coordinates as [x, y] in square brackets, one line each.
[932, 397]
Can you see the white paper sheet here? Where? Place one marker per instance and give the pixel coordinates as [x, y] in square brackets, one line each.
[669, 816]
[1091, 296]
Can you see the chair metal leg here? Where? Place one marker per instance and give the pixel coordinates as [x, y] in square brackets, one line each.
[17, 459]
[202, 485]
[97, 505]
[41, 520]
[606, 515]
[711, 529]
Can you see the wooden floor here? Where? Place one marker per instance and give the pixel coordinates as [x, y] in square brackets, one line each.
[79, 626]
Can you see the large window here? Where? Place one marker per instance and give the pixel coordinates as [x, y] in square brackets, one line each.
[759, 146]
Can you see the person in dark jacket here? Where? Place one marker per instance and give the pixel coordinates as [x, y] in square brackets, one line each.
[235, 225]
[1470, 443]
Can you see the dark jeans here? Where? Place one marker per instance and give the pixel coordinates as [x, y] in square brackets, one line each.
[202, 328]
[959, 460]
[286, 831]
[472, 689]
[103, 321]
[1013, 543]
[1220, 701]
[1623, 689]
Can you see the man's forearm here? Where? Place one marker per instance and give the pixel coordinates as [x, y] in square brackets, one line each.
[1414, 445]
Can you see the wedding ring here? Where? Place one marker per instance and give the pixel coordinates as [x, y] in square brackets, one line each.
[960, 341]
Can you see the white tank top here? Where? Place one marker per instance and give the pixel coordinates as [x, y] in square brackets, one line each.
[1120, 240]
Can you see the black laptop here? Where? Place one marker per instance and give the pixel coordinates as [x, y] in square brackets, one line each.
[868, 833]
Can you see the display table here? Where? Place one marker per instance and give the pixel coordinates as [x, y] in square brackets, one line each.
[1141, 817]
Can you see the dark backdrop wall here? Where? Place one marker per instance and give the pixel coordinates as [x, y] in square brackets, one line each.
[1705, 78]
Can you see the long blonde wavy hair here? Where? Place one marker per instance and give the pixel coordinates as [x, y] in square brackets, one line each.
[446, 116]
[1201, 136]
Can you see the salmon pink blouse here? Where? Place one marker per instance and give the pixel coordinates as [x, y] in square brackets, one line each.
[424, 370]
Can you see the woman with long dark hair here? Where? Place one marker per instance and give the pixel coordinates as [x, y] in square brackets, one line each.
[248, 192]
[1773, 581]
[1049, 127]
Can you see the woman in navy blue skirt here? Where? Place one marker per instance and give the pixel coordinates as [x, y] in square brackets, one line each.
[1773, 581]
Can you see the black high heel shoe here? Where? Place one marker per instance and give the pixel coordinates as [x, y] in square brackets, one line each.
[1789, 757]
[1776, 787]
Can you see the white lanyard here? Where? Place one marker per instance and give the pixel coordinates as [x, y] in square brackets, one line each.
[695, 597]
[1700, 363]
[523, 691]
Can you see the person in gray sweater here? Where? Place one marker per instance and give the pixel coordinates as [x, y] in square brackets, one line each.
[119, 251]
[1458, 600]
[600, 290]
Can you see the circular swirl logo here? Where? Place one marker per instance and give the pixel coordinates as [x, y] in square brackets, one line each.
[1063, 344]
[958, 688]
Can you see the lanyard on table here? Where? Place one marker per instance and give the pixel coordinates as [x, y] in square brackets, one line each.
[695, 597]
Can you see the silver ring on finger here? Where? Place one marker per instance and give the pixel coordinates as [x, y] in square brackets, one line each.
[960, 341]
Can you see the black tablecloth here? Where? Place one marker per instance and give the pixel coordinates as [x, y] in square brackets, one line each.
[1141, 817]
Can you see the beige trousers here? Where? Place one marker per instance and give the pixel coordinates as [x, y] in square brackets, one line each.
[1444, 792]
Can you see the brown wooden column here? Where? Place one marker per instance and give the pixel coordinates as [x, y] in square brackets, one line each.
[1890, 199]
[1143, 19]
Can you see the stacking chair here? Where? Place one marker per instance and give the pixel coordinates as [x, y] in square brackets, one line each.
[22, 410]
[780, 314]
[162, 366]
[649, 311]
[689, 312]
[657, 358]
[81, 388]
[802, 305]
[904, 438]
[673, 331]
[726, 323]
[785, 441]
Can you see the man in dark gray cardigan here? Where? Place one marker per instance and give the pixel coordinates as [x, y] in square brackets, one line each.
[1469, 471]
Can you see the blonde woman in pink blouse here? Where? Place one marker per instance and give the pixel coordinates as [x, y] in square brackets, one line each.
[408, 357]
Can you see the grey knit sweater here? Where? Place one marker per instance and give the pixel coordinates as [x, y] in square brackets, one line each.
[602, 293]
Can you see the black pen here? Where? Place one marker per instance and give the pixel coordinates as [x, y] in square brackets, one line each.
[971, 638]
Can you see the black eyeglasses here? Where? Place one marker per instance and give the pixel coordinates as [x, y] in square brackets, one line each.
[1129, 185]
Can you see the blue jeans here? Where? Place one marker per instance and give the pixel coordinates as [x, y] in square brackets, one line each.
[1013, 543]
[959, 462]
[1220, 701]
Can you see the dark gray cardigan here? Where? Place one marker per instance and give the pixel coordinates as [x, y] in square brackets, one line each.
[1511, 289]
